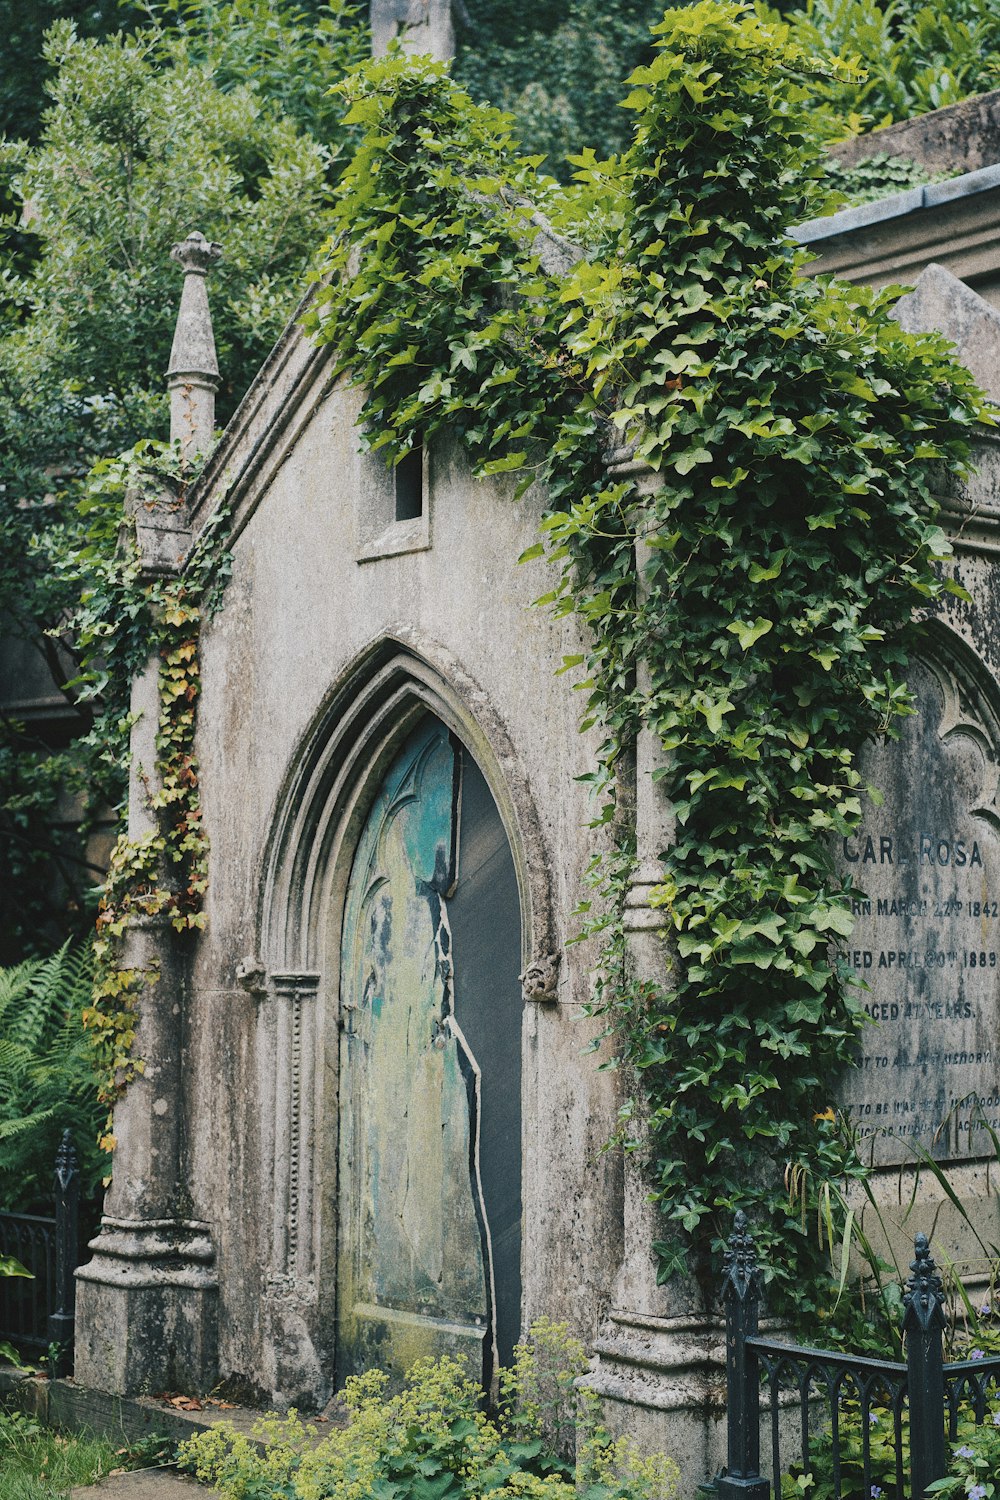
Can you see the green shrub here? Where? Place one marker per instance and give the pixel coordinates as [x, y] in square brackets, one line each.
[975, 1456]
[38, 1463]
[975, 1463]
[433, 1441]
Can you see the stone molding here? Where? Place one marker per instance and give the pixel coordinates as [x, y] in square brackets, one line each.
[152, 1253]
[293, 1197]
[669, 1364]
[398, 677]
[282, 400]
[147, 1308]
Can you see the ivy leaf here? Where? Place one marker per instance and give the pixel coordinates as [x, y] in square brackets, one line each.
[769, 926]
[749, 635]
[759, 574]
[504, 465]
[686, 462]
[835, 919]
[714, 711]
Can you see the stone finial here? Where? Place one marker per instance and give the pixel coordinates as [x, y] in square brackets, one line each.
[421, 26]
[196, 253]
[193, 372]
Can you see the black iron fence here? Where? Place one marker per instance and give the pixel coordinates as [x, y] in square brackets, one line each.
[867, 1427]
[36, 1314]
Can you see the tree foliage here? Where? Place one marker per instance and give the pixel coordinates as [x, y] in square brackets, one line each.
[795, 429]
[558, 68]
[46, 1077]
[147, 135]
[25, 69]
[913, 57]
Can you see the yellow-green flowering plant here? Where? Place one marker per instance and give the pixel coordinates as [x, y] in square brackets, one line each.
[432, 1440]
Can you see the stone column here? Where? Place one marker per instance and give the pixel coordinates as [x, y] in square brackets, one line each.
[146, 1302]
[660, 1365]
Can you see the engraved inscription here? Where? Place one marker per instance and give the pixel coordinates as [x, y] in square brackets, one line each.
[926, 869]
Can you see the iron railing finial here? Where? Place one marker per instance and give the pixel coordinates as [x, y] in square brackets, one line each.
[923, 1328]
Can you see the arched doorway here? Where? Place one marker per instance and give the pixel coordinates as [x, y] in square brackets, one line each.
[429, 1193]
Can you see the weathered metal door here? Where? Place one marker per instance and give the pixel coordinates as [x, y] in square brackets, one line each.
[430, 1137]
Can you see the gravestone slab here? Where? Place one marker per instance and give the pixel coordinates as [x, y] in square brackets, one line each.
[926, 869]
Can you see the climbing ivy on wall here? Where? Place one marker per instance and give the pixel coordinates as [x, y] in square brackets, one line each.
[797, 432]
[124, 620]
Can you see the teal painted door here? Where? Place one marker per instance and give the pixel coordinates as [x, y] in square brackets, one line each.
[429, 1188]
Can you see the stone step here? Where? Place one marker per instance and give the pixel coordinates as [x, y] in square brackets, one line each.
[144, 1484]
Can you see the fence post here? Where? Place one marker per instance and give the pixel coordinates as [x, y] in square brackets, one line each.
[67, 1193]
[923, 1325]
[742, 1479]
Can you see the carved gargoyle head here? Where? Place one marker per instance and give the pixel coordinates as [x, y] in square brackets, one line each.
[540, 980]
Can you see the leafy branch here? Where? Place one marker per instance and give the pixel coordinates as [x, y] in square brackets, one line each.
[792, 544]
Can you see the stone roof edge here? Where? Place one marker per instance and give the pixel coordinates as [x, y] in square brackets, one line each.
[298, 365]
[259, 434]
[897, 205]
[957, 137]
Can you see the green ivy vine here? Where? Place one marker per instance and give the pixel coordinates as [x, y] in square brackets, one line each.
[124, 620]
[792, 546]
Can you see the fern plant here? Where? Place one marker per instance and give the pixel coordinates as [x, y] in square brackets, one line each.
[47, 1081]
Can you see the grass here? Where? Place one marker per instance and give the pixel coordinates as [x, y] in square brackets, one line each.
[37, 1463]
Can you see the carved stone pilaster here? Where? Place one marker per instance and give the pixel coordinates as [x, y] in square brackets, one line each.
[420, 26]
[292, 1248]
[288, 1083]
[654, 822]
[660, 1361]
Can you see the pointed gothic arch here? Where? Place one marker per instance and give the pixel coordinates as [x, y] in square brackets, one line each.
[325, 810]
[364, 717]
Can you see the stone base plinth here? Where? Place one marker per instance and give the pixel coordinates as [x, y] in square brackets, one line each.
[146, 1309]
[292, 1371]
[662, 1382]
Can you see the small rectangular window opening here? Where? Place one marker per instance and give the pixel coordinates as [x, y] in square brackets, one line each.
[410, 484]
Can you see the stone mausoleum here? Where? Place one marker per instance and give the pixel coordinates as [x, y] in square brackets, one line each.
[368, 1128]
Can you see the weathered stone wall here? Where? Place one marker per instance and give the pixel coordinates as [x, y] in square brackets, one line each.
[927, 942]
[302, 615]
